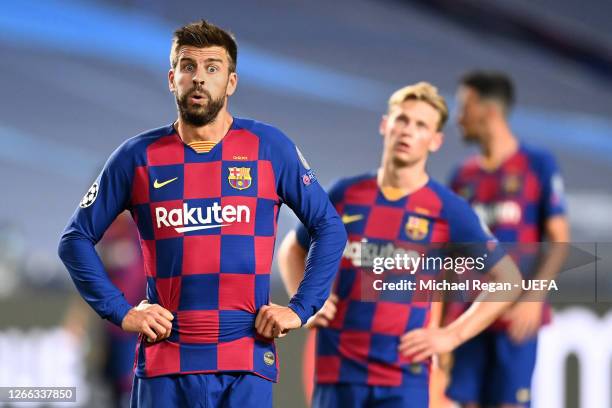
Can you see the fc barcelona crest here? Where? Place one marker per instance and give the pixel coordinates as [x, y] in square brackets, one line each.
[417, 227]
[240, 177]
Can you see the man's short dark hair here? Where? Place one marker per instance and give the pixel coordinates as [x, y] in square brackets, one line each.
[204, 34]
[491, 85]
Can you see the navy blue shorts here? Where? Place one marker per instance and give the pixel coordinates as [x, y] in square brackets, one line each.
[370, 396]
[240, 390]
[491, 369]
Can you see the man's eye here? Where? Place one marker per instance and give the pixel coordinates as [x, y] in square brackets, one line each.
[189, 67]
[212, 69]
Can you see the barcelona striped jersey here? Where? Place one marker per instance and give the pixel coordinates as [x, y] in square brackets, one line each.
[360, 345]
[207, 225]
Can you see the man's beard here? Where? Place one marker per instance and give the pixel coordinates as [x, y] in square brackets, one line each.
[199, 115]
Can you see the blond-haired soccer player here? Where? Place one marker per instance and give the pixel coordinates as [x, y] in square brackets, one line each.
[377, 352]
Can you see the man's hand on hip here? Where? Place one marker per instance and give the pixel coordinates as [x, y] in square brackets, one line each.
[276, 321]
[152, 320]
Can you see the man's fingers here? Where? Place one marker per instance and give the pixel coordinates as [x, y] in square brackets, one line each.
[413, 335]
[260, 315]
[412, 348]
[422, 356]
[320, 321]
[415, 349]
[334, 298]
[151, 336]
[267, 329]
[331, 307]
[412, 343]
[165, 313]
[327, 314]
[159, 329]
[165, 323]
[264, 326]
[276, 330]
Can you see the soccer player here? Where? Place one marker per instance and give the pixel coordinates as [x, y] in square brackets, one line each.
[376, 352]
[517, 191]
[205, 193]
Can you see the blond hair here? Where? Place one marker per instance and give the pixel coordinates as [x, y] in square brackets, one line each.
[422, 91]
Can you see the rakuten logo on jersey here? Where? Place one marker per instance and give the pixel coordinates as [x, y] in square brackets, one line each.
[505, 212]
[197, 218]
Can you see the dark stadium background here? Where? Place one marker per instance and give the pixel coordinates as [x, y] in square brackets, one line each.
[79, 77]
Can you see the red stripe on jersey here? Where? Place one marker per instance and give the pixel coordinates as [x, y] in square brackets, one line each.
[424, 201]
[198, 326]
[266, 185]
[194, 261]
[237, 292]
[166, 150]
[327, 369]
[149, 258]
[390, 318]
[161, 358]
[361, 193]
[240, 145]
[203, 180]
[231, 354]
[140, 186]
[264, 250]
[384, 222]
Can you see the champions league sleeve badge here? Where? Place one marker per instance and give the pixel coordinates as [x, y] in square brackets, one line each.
[90, 196]
[309, 177]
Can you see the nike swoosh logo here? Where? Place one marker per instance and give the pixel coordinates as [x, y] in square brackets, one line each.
[180, 230]
[157, 184]
[347, 219]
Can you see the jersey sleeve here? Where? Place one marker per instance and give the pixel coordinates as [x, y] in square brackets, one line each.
[454, 179]
[553, 194]
[470, 236]
[335, 193]
[106, 198]
[298, 187]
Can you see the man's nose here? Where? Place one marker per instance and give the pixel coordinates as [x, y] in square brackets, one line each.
[408, 130]
[198, 77]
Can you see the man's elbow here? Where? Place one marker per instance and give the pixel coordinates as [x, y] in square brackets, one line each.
[63, 247]
[340, 230]
[68, 244]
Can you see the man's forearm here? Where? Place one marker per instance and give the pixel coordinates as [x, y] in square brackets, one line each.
[328, 242]
[291, 263]
[488, 306]
[90, 278]
[549, 267]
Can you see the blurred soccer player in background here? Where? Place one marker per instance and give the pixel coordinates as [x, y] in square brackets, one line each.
[205, 193]
[378, 352]
[517, 191]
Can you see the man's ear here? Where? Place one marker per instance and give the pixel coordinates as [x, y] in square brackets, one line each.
[171, 80]
[383, 124]
[232, 83]
[436, 142]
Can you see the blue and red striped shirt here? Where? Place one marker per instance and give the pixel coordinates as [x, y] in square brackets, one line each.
[361, 343]
[515, 201]
[207, 225]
